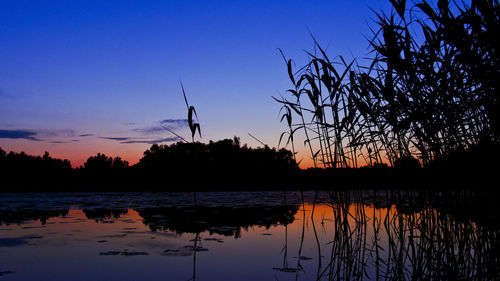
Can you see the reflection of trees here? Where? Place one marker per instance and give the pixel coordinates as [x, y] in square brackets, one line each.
[12, 216]
[20, 216]
[221, 220]
[102, 214]
[390, 244]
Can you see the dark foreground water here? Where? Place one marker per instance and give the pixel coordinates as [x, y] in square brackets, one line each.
[350, 235]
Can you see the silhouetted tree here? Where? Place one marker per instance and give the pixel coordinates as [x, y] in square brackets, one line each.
[118, 163]
[53, 163]
[98, 162]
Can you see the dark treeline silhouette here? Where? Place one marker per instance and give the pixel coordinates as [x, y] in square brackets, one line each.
[227, 165]
[224, 163]
[22, 160]
[20, 170]
[101, 161]
[225, 156]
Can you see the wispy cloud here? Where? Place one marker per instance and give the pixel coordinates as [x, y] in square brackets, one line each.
[63, 141]
[18, 134]
[47, 135]
[56, 133]
[149, 130]
[172, 139]
[174, 123]
[116, 138]
[130, 140]
[169, 124]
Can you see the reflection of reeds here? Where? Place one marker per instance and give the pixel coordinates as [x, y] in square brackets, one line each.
[284, 250]
[403, 239]
[316, 236]
[299, 255]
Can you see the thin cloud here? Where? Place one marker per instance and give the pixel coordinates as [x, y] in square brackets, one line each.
[149, 130]
[116, 138]
[174, 123]
[61, 141]
[56, 133]
[172, 139]
[18, 134]
[49, 136]
[165, 125]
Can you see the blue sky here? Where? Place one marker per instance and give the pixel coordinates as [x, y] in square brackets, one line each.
[81, 77]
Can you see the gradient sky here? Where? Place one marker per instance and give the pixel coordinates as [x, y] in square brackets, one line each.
[81, 77]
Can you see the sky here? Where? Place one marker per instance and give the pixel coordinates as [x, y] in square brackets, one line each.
[82, 77]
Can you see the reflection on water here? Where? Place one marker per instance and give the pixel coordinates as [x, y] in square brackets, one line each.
[355, 235]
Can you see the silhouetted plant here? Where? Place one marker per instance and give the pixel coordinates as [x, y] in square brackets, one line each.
[430, 90]
[193, 126]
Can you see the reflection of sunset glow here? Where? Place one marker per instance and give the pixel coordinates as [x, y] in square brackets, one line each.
[368, 210]
[347, 239]
[61, 223]
[308, 163]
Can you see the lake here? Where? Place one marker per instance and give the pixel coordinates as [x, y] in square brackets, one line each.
[341, 235]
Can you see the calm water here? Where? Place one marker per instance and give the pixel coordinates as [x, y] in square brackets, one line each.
[362, 235]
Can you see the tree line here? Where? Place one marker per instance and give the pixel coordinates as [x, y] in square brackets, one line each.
[227, 154]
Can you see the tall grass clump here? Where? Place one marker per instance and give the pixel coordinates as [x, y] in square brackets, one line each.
[430, 90]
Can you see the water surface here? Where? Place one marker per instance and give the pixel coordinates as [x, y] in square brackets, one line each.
[349, 235]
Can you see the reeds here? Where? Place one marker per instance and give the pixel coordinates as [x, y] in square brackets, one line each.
[430, 90]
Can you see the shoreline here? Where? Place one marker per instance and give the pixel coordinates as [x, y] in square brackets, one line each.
[312, 179]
